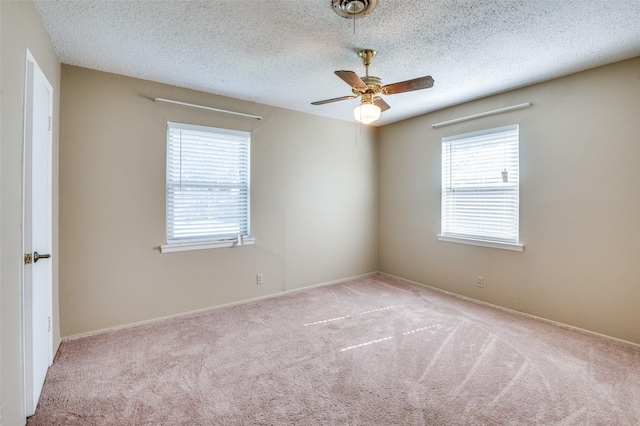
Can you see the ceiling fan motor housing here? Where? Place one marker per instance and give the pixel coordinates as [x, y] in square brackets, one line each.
[374, 85]
[353, 9]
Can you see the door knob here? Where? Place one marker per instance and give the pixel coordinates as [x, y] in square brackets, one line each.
[37, 256]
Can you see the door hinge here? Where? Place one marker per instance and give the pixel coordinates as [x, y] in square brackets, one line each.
[27, 259]
[49, 123]
[49, 323]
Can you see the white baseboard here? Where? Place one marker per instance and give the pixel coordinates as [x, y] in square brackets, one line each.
[523, 314]
[286, 292]
[199, 311]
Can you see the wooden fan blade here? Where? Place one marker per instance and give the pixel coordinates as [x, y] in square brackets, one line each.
[381, 103]
[408, 86]
[326, 101]
[351, 78]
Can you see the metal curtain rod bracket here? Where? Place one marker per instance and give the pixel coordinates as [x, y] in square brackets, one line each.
[241, 114]
[483, 114]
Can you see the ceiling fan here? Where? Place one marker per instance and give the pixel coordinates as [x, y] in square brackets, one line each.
[369, 89]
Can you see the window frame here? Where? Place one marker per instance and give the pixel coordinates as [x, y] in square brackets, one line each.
[448, 234]
[212, 240]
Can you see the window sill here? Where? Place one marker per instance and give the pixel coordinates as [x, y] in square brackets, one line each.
[493, 244]
[203, 245]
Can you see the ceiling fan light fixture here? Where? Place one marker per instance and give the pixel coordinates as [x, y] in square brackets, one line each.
[367, 113]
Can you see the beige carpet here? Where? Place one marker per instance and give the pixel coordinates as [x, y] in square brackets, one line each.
[372, 351]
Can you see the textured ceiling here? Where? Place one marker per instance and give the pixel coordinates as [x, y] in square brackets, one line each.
[284, 52]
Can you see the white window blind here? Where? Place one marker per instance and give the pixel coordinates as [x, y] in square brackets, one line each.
[207, 183]
[480, 185]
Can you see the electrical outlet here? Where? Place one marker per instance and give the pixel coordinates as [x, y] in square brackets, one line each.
[479, 281]
[259, 279]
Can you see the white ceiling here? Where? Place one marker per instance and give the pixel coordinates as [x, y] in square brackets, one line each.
[284, 52]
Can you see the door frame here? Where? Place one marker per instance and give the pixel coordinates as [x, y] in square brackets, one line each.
[27, 365]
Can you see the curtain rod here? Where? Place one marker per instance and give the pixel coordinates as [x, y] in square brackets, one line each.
[169, 101]
[483, 114]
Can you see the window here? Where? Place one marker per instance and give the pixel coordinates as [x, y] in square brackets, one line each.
[207, 187]
[480, 188]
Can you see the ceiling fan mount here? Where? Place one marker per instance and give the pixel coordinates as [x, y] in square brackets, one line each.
[367, 56]
[369, 87]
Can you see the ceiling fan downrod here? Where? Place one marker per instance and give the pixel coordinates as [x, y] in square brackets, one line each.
[366, 56]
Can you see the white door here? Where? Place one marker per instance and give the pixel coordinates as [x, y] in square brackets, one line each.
[37, 240]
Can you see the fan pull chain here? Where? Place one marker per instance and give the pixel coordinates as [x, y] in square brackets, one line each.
[359, 124]
[354, 23]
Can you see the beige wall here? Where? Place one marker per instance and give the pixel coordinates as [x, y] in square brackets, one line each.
[579, 203]
[313, 204]
[21, 30]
